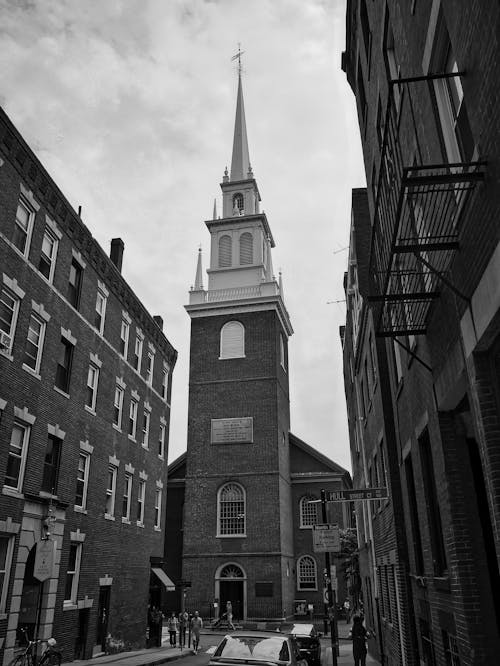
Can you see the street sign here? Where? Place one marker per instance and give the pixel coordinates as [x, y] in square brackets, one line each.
[333, 571]
[361, 494]
[326, 538]
[44, 559]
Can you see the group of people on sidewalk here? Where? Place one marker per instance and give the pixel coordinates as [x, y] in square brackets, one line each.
[181, 624]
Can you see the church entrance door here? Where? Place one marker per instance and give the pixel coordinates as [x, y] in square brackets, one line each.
[230, 585]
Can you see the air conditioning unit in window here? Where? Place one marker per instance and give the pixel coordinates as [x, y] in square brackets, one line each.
[5, 340]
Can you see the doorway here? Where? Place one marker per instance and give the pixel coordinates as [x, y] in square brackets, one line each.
[30, 603]
[102, 616]
[230, 585]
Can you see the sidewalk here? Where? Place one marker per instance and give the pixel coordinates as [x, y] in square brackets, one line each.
[345, 657]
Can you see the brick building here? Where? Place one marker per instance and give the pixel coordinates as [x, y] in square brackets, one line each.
[241, 489]
[85, 375]
[425, 76]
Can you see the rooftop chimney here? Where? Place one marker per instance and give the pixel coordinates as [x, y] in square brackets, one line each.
[116, 252]
[158, 321]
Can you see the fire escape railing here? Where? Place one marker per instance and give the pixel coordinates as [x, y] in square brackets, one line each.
[419, 205]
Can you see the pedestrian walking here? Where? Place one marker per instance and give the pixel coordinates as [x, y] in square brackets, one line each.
[183, 625]
[196, 627]
[229, 614]
[347, 610]
[155, 619]
[359, 634]
[172, 624]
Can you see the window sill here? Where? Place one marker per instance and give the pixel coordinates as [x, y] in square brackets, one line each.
[125, 521]
[90, 410]
[139, 524]
[157, 529]
[307, 589]
[12, 492]
[145, 446]
[30, 371]
[69, 606]
[229, 358]
[3, 616]
[162, 458]
[6, 354]
[47, 495]
[117, 428]
[61, 392]
[80, 509]
[108, 516]
[132, 439]
[231, 536]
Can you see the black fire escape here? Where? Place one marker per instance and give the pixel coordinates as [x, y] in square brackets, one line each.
[419, 205]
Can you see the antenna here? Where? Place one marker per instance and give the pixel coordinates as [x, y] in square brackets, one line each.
[237, 56]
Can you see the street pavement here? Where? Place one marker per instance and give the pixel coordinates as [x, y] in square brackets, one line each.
[209, 640]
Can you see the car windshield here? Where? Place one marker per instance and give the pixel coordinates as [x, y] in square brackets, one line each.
[257, 648]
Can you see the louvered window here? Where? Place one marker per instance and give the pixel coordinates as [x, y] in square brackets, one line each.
[225, 251]
[246, 248]
[232, 340]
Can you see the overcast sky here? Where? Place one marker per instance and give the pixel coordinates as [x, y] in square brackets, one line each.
[130, 105]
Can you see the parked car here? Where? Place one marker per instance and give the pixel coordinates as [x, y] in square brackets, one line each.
[307, 639]
[254, 647]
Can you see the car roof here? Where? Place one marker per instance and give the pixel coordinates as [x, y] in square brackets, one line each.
[254, 633]
[297, 628]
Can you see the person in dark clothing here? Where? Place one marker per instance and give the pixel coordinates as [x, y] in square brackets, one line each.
[359, 634]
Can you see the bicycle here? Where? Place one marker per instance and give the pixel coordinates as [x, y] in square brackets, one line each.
[51, 656]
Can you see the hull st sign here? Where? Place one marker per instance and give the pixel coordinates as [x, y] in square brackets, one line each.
[361, 494]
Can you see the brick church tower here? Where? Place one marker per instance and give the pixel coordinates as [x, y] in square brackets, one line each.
[238, 532]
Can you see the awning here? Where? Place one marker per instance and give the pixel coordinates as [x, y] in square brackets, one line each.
[169, 586]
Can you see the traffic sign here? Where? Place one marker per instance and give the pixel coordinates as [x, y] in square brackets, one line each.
[361, 494]
[326, 538]
[44, 559]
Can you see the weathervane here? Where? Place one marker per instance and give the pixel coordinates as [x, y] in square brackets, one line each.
[238, 57]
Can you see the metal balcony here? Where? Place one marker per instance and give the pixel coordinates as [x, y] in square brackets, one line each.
[419, 205]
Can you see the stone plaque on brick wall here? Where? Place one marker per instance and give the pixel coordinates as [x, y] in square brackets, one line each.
[232, 431]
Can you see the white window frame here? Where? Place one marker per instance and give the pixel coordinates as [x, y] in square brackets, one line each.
[86, 473]
[118, 407]
[10, 538]
[52, 259]
[237, 349]
[146, 422]
[158, 498]
[150, 368]
[22, 456]
[307, 512]
[92, 385]
[139, 343]
[301, 577]
[132, 416]
[39, 347]
[141, 499]
[111, 491]
[29, 231]
[7, 338]
[127, 495]
[124, 337]
[241, 516]
[161, 441]
[282, 352]
[164, 381]
[75, 573]
[101, 300]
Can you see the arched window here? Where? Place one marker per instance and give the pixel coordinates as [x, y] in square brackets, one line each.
[225, 251]
[308, 516]
[231, 510]
[238, 202]
[246, 248]
[306, 573]
[232, 340]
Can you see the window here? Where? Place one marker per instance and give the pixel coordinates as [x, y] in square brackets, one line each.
[132, 421]
[380, 124]
[150, 367]
[124, 336]
[246, 248]
[82, 480]
[6, 549]
[164, 381]
[161, 442]
[427, 642]
[23, 227]
[432, 504]
[51, 464]
[9, 308]
[282, 352]
[158, 508]
[140, 502]
[47, 262]
[308, 514]
[398, 364]
[373, 358]
[118, 407]
[365, 29]
[362, 96]
[231, 510]
[414, 522]
[75, 283]
[457, 134]
[450, 644]
[92, 381]
[127, 497]
[110, 492]
[306, 573]
[391, 64]
[100, 310]
[16, 460]
[34, 343]
[73, 573]
[138, 353]
[145, 428]
[232, 340]
[238, 203]
[225, 251]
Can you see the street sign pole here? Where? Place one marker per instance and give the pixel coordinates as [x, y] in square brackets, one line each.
[331, 597]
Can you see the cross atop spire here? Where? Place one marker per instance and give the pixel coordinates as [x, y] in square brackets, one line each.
[237, 56]
[240, 162]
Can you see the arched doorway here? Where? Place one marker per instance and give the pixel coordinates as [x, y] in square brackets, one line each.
[230, 585]
[30, 601]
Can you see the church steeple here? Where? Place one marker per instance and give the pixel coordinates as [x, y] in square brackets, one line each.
[240, 162]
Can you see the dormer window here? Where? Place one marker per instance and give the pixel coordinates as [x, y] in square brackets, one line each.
[238, 204]
[225, 251]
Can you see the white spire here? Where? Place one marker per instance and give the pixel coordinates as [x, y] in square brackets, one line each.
[198, 282]
[240, 162]
[215, 210]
